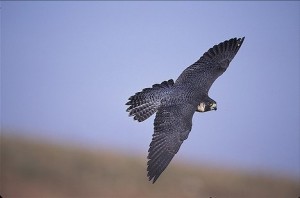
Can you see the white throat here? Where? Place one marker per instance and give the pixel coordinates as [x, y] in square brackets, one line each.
[201, 107]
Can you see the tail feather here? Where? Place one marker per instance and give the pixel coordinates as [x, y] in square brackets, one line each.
[145, 103]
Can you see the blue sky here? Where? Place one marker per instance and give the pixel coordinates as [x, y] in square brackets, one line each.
[68, 68]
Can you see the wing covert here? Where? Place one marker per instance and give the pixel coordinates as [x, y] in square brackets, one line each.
[211, 65]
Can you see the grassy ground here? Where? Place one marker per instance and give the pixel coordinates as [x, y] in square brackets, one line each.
[41, 169]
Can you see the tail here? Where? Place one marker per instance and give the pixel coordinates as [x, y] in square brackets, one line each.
[145, 103]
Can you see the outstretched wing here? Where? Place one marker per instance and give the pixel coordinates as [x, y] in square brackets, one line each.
[172, 126]
[211, 65]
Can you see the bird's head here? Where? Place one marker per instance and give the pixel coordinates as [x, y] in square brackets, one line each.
[207, 105]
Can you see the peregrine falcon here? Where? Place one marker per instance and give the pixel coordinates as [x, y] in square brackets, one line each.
[176, 103]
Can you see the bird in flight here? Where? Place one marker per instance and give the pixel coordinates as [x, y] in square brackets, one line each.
[176, 102]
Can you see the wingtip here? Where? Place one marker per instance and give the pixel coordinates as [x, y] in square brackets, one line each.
[240, 41]
[152, 178]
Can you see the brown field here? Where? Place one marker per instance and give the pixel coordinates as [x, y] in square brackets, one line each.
[31, 168]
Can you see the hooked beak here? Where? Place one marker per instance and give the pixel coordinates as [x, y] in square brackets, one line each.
[214, 107]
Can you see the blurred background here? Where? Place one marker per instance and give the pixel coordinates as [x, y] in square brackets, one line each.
[68, 68]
